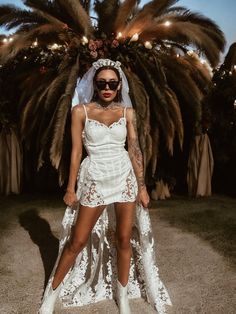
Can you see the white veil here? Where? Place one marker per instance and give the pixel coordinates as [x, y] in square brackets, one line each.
[85, 89]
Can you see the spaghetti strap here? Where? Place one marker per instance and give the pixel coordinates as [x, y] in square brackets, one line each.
[85, 112]
[124, 112]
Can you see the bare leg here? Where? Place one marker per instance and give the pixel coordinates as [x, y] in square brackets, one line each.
[124, 220]
[87, 217]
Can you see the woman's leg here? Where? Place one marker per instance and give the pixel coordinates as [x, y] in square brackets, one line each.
[124, 224]
[87, 217]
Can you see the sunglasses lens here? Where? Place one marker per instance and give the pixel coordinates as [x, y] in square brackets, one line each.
[113, 85]
[101, 85]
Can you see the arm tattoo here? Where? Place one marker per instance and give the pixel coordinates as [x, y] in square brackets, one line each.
[136, 155]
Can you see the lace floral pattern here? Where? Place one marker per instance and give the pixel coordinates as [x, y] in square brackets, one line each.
[90, 195]
[93, 276]
[130, 192]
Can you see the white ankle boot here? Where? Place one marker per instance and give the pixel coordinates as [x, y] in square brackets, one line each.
[49, 299]
[122, 299]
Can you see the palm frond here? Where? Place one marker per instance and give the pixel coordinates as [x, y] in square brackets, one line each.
[125, 11]
[179, 77]
[61, 115]
[230, 59]
[185, 33]
[79, 16]
[156, 7]
[23, 40]
[140, 101]
[155, 149]
[105, 9]
[146, 15]
[12, 16]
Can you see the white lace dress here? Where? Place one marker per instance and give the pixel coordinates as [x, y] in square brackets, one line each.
[106, 176]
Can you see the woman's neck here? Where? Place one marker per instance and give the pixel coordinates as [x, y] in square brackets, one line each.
[105, 104]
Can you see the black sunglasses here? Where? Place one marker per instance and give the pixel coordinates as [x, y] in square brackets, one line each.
[101, 85]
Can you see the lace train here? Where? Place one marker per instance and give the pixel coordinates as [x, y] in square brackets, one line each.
[93, 276]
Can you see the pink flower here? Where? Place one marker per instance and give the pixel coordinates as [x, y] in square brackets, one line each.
[94, 54]
[99, 43]
[114, 43]
[92, 45]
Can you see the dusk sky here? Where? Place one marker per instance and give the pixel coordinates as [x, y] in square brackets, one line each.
[222, 12]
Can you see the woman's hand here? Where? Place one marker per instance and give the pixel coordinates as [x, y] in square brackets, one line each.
[143, 197]
[70, 198]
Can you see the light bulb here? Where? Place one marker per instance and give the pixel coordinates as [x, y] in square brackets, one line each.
[84, 40]
[134, 37]
[54, 46]
[119, 35]
[167, 23]
[148, 45]
[5, 40]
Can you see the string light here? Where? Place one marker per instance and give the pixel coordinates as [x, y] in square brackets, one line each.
[134, 37]
[148, 45]
[5, 40]
[84, 40]
[10, 39]
[167, 23]
[35, 43]
[54, 46]
[119, 35]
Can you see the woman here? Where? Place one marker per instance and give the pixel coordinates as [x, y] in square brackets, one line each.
[110, 176]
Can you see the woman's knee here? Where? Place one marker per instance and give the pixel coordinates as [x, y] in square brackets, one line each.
[75, 246]
[123, 242]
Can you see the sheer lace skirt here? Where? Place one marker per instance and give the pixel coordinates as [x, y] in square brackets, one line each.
[93, 276]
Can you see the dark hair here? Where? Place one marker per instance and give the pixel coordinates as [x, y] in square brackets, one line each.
[108, 67]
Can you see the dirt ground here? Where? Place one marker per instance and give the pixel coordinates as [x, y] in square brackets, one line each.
[195, 249]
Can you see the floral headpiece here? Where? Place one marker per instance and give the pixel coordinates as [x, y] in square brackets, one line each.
[100, 63]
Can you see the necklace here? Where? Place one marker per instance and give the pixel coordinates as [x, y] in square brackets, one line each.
[111, 105]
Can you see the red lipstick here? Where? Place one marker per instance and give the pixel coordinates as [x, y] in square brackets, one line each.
[107, 95]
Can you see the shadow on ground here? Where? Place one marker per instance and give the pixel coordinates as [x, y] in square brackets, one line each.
[212, 219]
[40, 233]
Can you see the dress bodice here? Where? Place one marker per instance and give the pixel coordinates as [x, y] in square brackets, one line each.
[101, 140]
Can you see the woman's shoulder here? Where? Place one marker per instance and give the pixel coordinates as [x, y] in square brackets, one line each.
[130, 112]
[78, 108]
[78, 111]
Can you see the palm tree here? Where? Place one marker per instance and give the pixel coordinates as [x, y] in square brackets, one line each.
[222, 114]
[55, 42]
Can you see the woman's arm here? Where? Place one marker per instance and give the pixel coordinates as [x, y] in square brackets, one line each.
[136, 156]
[77, 117]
